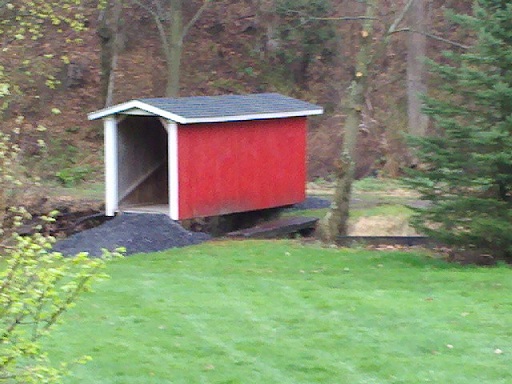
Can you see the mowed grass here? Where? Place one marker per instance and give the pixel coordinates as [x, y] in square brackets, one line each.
[284, 312]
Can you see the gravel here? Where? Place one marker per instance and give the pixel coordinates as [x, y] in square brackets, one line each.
[138, 233]
[313, 203]
[144, 233]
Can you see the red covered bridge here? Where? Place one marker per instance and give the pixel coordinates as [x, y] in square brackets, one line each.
[206, 155]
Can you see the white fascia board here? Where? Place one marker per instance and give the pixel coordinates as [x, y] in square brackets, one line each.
[132, 105]
[259, 116]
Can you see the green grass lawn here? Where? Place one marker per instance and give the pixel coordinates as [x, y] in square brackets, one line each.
[282, 312]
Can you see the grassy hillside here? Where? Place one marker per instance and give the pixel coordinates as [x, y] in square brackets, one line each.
[283, 312]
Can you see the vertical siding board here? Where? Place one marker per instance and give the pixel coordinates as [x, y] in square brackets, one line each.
[241, 166]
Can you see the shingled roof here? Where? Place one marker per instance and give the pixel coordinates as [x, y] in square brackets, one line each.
[207, 109]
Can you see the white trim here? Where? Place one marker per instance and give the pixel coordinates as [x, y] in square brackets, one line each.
[111, 164]
[172, 148]
[111, 110]
[165, 124]
[139, 108]
[259, 116]
[134, 104]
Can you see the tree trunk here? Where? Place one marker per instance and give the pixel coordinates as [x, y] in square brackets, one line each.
[416, 51]
[115, 47]
[335, 223]
[175, 49]
[105, 34]
[267, 18]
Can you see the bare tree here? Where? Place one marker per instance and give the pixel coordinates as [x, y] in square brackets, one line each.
[110, 34]
[336, 221]
[172, 29]
[416, 53]
[117, 11]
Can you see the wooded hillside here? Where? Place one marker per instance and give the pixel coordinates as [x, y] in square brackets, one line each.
[306, 49]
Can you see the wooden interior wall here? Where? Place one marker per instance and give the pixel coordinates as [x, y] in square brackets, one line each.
[142, 161]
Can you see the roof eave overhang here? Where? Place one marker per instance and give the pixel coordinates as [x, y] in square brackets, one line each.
[129, 107]
[125, 108]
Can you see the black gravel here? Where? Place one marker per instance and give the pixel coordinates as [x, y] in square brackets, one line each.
[313, 203]
[144, 233]
[138, 233]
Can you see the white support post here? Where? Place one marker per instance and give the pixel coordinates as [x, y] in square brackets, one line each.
[172, 148]
[111, 164]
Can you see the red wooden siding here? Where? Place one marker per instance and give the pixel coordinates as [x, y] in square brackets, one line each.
[241, 166]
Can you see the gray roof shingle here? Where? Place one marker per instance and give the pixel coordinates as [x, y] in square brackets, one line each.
[230, 105]
[217, 108]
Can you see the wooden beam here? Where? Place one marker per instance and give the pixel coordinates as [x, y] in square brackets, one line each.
[278, 228]
[111, 165]
[172, 148]
[139, 181]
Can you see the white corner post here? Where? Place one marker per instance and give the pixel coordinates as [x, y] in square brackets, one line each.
[172, 150]
[111, 165]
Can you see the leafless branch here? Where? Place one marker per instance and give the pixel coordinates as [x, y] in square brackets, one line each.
[400, 17]
[158, 22]
[344, 18]
[194, 19]
[434, 37]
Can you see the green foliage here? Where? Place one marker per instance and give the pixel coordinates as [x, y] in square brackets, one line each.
[36, 285]
[466, 171]
[10, 181]
[36, 288]
[58, 154]
[69, 177]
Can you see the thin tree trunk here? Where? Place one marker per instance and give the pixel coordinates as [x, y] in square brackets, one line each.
[117, 9]
[416, 51]
[172, 35]
[335, 223]
[105, 34]
[175, 49]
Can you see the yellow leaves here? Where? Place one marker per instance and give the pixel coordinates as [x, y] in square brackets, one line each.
[36, 287]
[51, 82]
[28, 18]
[364, 34]
[4, 89]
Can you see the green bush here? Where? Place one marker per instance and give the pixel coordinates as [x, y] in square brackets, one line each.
[70, 177]
[466, 170]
